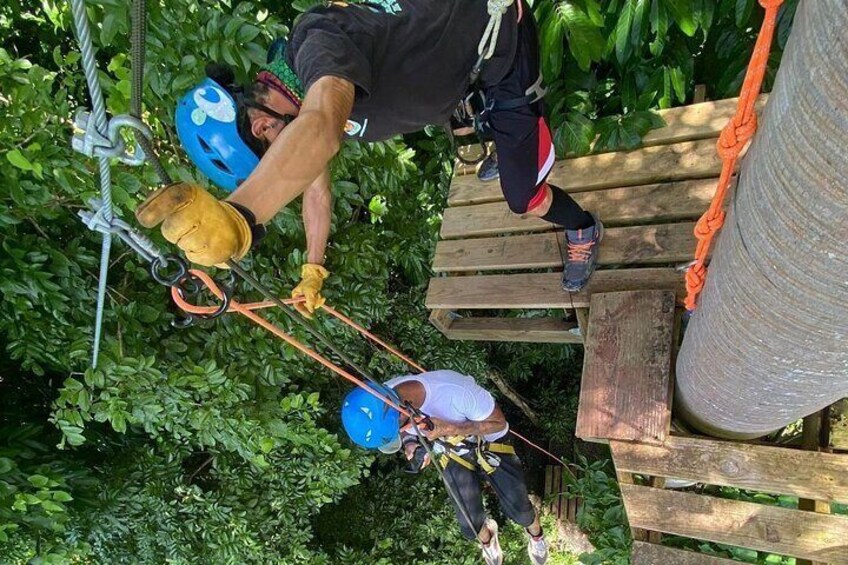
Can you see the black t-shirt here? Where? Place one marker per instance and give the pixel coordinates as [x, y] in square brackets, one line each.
[410, 60]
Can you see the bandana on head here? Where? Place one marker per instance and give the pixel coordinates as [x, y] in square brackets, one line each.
[279, 76]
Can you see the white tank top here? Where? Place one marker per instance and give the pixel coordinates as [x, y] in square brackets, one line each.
[453, 397]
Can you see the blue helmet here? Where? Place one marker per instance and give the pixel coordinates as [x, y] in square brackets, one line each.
[370, 422]
[207, 120]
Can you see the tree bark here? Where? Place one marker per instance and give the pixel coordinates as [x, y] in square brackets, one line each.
[768, 343]
[516, 398]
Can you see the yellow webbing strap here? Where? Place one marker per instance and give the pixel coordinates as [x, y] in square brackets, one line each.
[481, 461]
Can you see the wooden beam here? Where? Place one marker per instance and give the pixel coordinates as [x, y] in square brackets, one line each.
[582, 315]
[541, 290]
[777, 470]
[664, 163]
[653, 554]
[624, 478]
[812, 437]
[647, 204]
[624, 389]
[795, 533]
[644, 245]
[531, 330]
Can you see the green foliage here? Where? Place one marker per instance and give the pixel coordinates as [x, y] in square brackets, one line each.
[218, 444]
[608, 63]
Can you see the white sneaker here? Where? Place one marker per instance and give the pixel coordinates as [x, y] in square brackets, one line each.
[492, 553]
[537, 549]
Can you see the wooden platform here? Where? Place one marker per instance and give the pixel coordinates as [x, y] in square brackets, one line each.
[491, 259]
[625, 390]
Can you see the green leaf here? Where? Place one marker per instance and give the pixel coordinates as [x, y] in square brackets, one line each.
[683, 15]
[585, 40]
[622, 32]
[38, 481]
[16, 158]
[576, 134]
[743, 11]
[678, 82]
[62, 496]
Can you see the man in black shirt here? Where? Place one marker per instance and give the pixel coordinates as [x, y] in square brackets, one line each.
[368, 72]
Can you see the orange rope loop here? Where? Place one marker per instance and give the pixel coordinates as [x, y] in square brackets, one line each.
[732, 141]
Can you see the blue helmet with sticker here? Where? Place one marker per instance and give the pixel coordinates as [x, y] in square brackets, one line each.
[370, 422]
[207, 120]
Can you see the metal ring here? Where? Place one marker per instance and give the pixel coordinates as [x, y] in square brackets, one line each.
[222, 308]
[158, 266]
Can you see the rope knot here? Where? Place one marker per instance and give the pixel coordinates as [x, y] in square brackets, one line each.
[735, 135]
[496, 10]
[695, 278]
[709, 224]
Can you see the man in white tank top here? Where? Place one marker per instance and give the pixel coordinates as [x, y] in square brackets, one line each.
[468, 425]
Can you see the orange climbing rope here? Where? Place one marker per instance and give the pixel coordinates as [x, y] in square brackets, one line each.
[735, 135]
[248, 311]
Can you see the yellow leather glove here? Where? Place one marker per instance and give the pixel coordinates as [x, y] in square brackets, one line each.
[208, 230]
[311, 280]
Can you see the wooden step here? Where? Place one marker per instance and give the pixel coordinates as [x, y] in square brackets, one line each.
[796, 533]
[532, 330]
[654, 554]
[625, 389]
[663, 163]
[644, 204]
[642, 245]
[776, 470]
[542, 290]
[557, 502]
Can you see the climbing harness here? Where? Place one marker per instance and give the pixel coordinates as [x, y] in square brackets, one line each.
[733, 139]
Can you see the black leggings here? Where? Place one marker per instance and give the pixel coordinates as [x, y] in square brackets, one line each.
[523, 139]
[508, 483]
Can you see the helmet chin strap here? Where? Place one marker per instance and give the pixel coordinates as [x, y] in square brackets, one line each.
[285, 118]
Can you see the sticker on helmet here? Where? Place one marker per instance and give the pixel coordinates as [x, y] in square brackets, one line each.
[221, 110]
[198, 117]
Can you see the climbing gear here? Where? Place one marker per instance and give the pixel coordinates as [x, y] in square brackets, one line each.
[206, 119]
[311, 280]
[370, 422]
[473, 453]
[416, 464]
[486, 47]
[733, 139]
[492, 553]
[582, 255]
[537, 549]
[208, 230]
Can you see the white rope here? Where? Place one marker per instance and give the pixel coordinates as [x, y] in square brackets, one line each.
[496, 9]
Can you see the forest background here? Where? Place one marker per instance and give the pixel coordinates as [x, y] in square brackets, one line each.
[215, 444]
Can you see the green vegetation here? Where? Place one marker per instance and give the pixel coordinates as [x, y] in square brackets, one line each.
[216, 444]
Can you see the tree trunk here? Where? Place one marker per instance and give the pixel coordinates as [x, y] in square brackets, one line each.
[768, 343]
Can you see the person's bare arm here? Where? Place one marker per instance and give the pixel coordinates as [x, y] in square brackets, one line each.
[494, 422]
[301, 152]
[317, 213]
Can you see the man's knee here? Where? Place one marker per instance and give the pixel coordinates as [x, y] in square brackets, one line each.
[538, 203]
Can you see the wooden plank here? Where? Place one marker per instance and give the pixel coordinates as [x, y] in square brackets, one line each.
[582, 315]
[664, 163]
[653, 554]
[531, 330]
[638, 534]
[624, 389]
[777, 470]
[549, 490]
[644, 245]
[647, 204]
[820, 537]
[541, 290]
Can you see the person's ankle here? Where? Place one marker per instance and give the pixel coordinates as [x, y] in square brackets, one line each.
[536, 536]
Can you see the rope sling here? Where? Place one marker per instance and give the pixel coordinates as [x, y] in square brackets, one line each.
[100, 137]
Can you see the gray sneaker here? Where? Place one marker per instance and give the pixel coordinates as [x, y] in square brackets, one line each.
[537, 549]
[492, 553]
[581, 255]
[488, 169]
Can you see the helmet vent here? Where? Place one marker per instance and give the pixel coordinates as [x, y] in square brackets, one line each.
[221, 166]
[204, 145]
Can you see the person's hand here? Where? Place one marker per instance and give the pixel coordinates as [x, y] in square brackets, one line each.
[311, 280]
[209, 231]
[409, 451]
[439, 429]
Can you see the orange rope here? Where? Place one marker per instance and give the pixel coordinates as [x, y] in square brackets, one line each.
[735, 135]
[247, 310]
